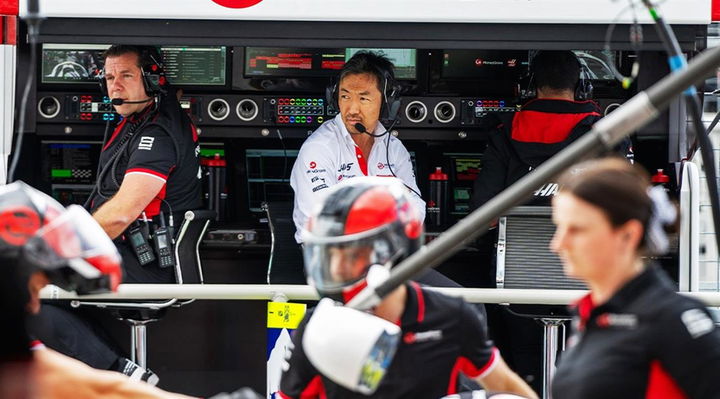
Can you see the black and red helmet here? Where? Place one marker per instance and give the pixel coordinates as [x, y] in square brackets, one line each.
[68, 245]
[363, 222]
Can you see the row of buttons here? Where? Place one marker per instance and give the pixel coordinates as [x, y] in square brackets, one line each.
[301, 101]
[490, 103]
[299, 119]
[294, 110]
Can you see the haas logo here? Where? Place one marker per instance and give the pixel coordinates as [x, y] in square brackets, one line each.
[236, 3]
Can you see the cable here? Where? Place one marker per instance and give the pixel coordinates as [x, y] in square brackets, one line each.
[285, 156]
[33, 23]
[636, 39]
[677, 62]
[387, 157]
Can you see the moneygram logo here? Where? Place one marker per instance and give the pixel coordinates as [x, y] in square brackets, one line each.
[236, 3]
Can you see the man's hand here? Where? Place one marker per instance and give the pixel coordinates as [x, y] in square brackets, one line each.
[136, 192]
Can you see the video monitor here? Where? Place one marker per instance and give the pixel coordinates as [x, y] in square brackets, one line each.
[478, 73]
[70, 167]
[464, 170]
[184, 65]
[484, 64]
[195, 65]
[293, 62]
[268, 176]
[405, 60]
[71, 63]
[596, 64]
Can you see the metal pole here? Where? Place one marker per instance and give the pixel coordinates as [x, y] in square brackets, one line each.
[632, 115]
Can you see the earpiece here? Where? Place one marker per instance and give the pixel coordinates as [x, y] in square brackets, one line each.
[390, 95]
[583, 87]
[152, 69]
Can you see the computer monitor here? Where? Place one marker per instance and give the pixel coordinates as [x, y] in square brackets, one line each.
[184, 65]
[292, 62]
[464, 169]
[71, 63]
[195, 65]
[71, 169]
[268, 176]
[404, 60]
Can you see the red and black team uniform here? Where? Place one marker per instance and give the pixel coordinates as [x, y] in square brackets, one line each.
[540, 130]
[442, 337]
[161, 143]
[647, 341]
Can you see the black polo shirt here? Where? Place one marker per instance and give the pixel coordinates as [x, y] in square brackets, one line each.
[647, 341]
[442, 336]
[162, 143]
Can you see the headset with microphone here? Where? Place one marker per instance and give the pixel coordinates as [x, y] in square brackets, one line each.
[152, 72]
[583, 88]
[388, 110]
[390, 98]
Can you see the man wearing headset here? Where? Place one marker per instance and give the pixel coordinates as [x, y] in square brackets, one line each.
[545, 125]
[149, 171]
[149, 166]
[354, 143]
[560, 113]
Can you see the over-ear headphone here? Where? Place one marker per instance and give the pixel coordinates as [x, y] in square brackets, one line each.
[583, 87]
[151, 68]
[390, 94]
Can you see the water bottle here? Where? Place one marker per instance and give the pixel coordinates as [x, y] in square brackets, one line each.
[661, 179]
[437, 204]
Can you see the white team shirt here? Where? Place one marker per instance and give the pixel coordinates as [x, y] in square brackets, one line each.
[330, 156]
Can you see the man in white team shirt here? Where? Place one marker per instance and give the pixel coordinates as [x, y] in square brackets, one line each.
[354, 143]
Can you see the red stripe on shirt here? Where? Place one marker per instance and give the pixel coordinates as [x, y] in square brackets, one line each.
[464, 365]
[661, 385]
[420, 301]
[115, 133]
[544, 127]
[148, 171]
[361, 160]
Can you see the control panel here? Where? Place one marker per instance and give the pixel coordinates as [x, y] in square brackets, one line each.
[75, 108]
[474, 111]
[304, 111]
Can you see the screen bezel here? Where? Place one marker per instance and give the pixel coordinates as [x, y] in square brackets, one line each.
[85, 85]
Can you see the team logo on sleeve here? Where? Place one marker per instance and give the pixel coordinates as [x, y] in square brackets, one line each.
[697, 322]
[146, 143]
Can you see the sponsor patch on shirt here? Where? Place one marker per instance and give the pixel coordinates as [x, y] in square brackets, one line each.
[320, 187]
[422, 336]
[605, 320]
[146, 143]
[346, 166]
[697, 322]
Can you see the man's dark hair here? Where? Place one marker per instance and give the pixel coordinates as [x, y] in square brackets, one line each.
[557, 70]
[370, 62]
[147, 55]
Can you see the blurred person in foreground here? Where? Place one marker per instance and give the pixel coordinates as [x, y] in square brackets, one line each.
[634, 336]
[360, 230]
